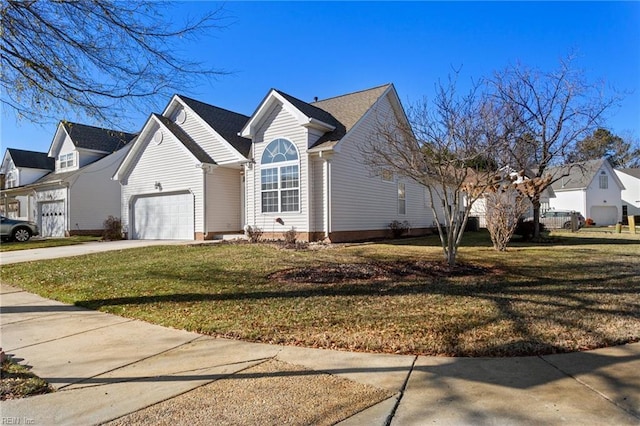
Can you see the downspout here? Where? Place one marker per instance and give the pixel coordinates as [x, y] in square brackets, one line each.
[204, 203]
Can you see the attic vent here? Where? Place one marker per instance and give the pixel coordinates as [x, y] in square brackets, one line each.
[181, 117]
[157, 137]
[315, 99]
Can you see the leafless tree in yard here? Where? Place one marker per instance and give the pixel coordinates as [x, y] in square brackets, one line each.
[504, 205]
[547, 114]
[96, 58]
[445, 146]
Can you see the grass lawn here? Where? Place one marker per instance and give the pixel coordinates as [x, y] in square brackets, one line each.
[45, 243]
[577, 292]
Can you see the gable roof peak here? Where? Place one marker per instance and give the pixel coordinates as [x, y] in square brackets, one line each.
[31, 159]
[225, 122]
[95, 138]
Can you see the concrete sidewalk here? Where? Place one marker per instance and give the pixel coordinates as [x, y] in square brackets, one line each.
[19, 256]
[105, 367]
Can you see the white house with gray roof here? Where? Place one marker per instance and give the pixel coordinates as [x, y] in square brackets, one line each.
[78, 194]
[198, 171]
[19, 168]
[630, 178]
[591, 188]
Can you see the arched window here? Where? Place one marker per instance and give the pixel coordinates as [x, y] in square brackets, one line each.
[280, 177]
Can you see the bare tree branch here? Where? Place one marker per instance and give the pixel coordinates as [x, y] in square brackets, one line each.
[97, 58]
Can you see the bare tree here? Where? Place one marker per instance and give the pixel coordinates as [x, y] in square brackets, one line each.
[547, 114]
[444, 146]
[505, 203]
[98, 58]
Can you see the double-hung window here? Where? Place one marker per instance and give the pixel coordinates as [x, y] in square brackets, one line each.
[280, 178]
[604, 180]
[66, 160]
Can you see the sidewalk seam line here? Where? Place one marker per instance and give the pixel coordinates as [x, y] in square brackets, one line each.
[591, 388]
[402, 391]
[130, 363]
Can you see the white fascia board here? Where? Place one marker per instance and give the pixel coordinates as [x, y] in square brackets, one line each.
[249, 128]
[218, 137]
[318, 124]
[122, 171]
[58, 139]
[271, 99]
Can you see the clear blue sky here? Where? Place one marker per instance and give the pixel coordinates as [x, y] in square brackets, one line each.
[325, 49]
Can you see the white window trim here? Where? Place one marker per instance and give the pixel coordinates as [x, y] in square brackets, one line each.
[278, 166]
[402, 199]
[64, 164]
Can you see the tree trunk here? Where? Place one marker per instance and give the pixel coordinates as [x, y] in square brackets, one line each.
[536, 217]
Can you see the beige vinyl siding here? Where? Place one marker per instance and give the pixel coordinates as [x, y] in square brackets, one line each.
[223, 200]
[170, 164]
[362, 200]
[217, 149]
[278, 124]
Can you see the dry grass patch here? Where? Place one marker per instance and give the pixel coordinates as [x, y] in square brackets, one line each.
[567, 295]
[304, 397]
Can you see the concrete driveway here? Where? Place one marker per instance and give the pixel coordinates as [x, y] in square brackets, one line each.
[19, 256]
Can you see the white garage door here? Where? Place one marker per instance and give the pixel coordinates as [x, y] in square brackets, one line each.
[163, 217]
[52, 219]
[604, 215]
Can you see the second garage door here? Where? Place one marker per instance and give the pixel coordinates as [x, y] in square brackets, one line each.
[163, 217]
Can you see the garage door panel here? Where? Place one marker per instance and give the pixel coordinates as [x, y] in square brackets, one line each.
[604, 215]
[52, 219]
[164, 217]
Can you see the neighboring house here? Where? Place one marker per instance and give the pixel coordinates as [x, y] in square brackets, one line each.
[591, 188]
[479, 208]
[630, 178]
[19, 168]
[199, 171]
[79, 194]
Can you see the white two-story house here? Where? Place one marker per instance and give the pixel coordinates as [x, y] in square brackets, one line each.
[78, 195]
[20, 168]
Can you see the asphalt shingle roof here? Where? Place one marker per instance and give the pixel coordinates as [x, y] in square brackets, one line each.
[631, 172]
[348, 110]
[189, 143]
[96, 138]
[578, 175]
[227, 123]
[31, 159]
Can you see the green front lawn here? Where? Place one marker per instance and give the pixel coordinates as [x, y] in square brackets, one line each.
[45, 243]
[572, 294]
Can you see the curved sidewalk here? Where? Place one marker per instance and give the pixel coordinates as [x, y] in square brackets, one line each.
[104, 367]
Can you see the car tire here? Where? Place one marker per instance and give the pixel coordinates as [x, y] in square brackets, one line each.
[21, 235]
[567, 225]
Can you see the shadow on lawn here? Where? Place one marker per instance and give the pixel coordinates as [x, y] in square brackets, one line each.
[482, 239]
[568, 295]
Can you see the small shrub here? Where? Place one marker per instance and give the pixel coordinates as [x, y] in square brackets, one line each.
[399, 228]
[112, 229]
[253, 233]
[290, 237]
[589, 222]
[525, 229]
